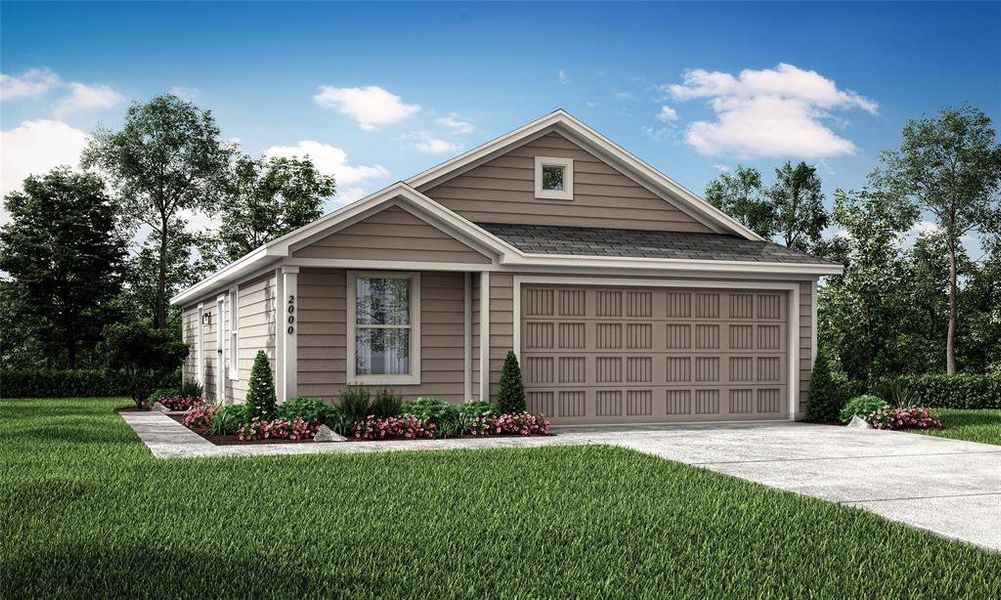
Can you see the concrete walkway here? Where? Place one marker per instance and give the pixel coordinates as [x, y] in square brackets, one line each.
[949, 487]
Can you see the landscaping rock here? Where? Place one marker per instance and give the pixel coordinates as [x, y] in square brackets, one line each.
[326, 434]
[858, 422]
[160, 407]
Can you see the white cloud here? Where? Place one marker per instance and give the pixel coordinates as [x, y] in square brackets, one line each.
[330, 160]
[87, 97]
[623, 95]
[426, 143]
[667, 114]
[185, 93]
[455, 124]
[371, 106]
[34, 147]
[563, 76]
[33, 83]
[721, 168]
[768, 112]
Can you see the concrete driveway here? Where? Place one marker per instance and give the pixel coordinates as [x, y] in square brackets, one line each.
[949, 487]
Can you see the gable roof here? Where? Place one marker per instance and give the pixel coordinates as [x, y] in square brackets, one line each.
[635, 243]
[409, 195]
[563, 122]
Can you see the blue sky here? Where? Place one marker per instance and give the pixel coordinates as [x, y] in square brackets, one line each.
[432, 79]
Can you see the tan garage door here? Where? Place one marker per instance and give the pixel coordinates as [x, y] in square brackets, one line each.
[607, 355]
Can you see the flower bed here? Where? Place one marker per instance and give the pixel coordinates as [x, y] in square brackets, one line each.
[296, 430]
[911, 417]
[179, 402]
[393, 428]
[523, 423]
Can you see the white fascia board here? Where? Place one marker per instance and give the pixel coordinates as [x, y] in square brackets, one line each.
[671, 264]
[689, 202]
[239, 269]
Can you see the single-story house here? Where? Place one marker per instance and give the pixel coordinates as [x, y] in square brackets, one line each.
[627, 298]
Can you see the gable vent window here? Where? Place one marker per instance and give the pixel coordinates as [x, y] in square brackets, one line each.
[553, 178]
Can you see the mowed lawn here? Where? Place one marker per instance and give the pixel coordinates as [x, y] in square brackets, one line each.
[86, 511]
[971, 425]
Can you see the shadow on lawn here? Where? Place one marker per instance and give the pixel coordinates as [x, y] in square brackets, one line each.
[102, 569]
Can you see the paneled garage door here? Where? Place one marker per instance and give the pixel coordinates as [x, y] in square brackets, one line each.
[631, 355]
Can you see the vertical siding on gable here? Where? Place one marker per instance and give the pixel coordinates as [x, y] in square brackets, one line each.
[258, 328]
[503, 191]
[322, 338]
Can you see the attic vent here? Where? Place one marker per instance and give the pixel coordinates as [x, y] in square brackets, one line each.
[553, 178]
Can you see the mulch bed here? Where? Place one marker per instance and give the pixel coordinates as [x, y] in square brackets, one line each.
[234, 440]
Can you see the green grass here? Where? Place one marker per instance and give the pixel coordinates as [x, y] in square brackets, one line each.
[980, 425]
[86, 512]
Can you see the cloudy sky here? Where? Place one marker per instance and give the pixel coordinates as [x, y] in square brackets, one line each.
[377, 92]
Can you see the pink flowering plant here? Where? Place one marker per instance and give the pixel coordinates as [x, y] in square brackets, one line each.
[407, 427]
[199, 416]
[179, 402]
[295, 429]
[523, 423]
[910, 417]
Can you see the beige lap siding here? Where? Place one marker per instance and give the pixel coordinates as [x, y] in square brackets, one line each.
[190, 324]
[501, 325]
[392, 234]
[503, 191]
[189, 335]
[474, 354]
[258, 328]
[805, 341]
[322, 336]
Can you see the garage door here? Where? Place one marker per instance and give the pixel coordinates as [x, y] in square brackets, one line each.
[614, 355]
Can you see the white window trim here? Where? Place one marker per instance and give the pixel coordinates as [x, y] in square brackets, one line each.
[552, 161]
[234, 333]
[412, 378]
[200, 355]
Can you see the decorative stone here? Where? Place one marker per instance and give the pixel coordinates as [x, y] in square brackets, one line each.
[858, 422]
[160, 407]
[326, 434]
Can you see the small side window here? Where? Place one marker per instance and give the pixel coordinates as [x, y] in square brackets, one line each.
[553, 178]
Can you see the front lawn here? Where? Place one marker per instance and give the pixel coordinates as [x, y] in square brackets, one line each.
[968, 424]
[86, 511]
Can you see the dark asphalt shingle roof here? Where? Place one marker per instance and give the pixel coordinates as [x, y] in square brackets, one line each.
[600, 241]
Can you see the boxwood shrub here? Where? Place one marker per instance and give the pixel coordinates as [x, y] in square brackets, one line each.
[952, 391]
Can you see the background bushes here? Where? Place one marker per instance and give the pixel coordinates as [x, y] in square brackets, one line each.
[952, 391]
[62, 383]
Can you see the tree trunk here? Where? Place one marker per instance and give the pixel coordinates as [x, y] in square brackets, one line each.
[950, 340]
[161, 284]
[71, 354]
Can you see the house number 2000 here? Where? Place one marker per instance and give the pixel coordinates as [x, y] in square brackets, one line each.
[290, 319]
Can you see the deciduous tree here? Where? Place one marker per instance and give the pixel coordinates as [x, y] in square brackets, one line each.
[740, 194]
[798, 206]
[166, 159]
[65, 257]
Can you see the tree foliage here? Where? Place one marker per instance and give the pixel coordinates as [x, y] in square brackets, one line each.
[166, 159]
[65, 257]
[268, 198]
[511, 395]
[261, 388]
[740, 195]
[143, 356]
[797, 206]
[949, 166]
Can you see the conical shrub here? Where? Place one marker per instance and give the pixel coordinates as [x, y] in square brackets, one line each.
[261, 389]
[511, 397]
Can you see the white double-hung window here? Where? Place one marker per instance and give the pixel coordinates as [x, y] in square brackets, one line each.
[383, 328]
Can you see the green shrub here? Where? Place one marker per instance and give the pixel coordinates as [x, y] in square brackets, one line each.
[63, 383]
[339, 422]
[827, 395]
[893, 392]
[190, 387]
[227, 420]
[474, 409]
[386, 404]
[952, 391]
[141, 356]
[433, 409]
[261, 388]
[511, 396]
[356, 403]
[309, 409]
[862, 406]
[162, 393]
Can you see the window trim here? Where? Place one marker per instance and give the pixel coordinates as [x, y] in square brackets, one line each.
[234, 333]
[554, 161]
[412, 378]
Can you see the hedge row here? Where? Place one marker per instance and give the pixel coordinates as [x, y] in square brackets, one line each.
[952, 391]
[60, 383]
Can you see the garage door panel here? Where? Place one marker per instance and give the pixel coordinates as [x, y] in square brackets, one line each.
[599, 355]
